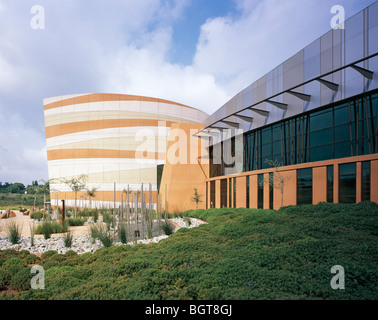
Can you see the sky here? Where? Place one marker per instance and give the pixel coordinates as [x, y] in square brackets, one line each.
[197, 52]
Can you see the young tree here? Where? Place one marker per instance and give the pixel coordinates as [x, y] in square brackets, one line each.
[197, 197]
[91, 193]
[46, 189]
[277, 180]
[76, 185]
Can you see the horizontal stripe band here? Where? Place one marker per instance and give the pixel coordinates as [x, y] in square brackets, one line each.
[67, 128]
[101, 153]
[71, 117]
[124, 132]
[96, 97]
[158, 144]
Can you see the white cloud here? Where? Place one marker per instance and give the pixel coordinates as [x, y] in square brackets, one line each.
[22, 152]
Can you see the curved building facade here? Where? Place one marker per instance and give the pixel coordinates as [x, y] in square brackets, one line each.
[115, 140]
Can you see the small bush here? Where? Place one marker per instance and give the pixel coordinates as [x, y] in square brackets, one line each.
[122, 231]
[13, 265]
[49, 254]
[32, 259]
[107, 218]
[95, 216]
[13, 231]
[167, 228]
[75, 222]
[70, 253]
[21, 280]
[37, 215]
[106, 238]
[49, 227]
[67, 239]
[4, 278]
[32, 232]
[102, 233]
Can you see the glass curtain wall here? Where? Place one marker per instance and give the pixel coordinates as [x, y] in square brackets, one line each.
[338, 131]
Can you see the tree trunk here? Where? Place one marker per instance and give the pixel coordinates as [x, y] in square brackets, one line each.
[75, 204]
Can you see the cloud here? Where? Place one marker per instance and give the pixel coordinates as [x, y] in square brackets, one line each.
[238, 50]
[146, 71]
[22, 153]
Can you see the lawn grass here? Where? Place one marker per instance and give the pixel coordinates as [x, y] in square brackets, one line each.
[240, 254]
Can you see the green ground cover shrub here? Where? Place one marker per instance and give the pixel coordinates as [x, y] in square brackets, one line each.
[49, 227]
[76, 222]
[240, 254]
[37, 215]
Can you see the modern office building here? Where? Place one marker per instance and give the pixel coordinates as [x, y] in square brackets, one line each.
[306, 132]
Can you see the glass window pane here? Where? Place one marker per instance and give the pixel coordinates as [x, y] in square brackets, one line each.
[321, 153]
[341, 115]
[321, 120]
[329, 183]
[347, 183]
[342, 133]
[304, 186]
[260, 192]
[321, 137]
[342, 150]
[365, 181]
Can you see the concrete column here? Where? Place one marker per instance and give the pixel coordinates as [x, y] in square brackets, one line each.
[217, 194]
[241, 185]
[336, 183]
[253, 184]
[319, 185]
[358, 181]
[374, 181]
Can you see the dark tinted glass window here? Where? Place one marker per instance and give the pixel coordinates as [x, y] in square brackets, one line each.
[223, 186]
[365, 183]
[304, 186]
[212, 194]
[347, 183]
[271, 191]
[329, 183]
[260, 191]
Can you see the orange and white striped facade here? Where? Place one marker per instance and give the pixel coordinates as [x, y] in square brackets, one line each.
[102, 135]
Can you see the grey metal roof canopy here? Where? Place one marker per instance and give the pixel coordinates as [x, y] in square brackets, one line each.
[306, 97]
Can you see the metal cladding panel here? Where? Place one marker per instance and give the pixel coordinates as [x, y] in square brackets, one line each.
[335, 49]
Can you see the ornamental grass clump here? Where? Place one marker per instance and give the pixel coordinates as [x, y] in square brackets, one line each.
[122, 232]
[32, 232]
[67, 239]
[102, 233]
[13, 231]
[49, 227]
[167, 228]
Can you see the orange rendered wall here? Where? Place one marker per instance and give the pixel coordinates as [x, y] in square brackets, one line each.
[319, 187]
[181, 179]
